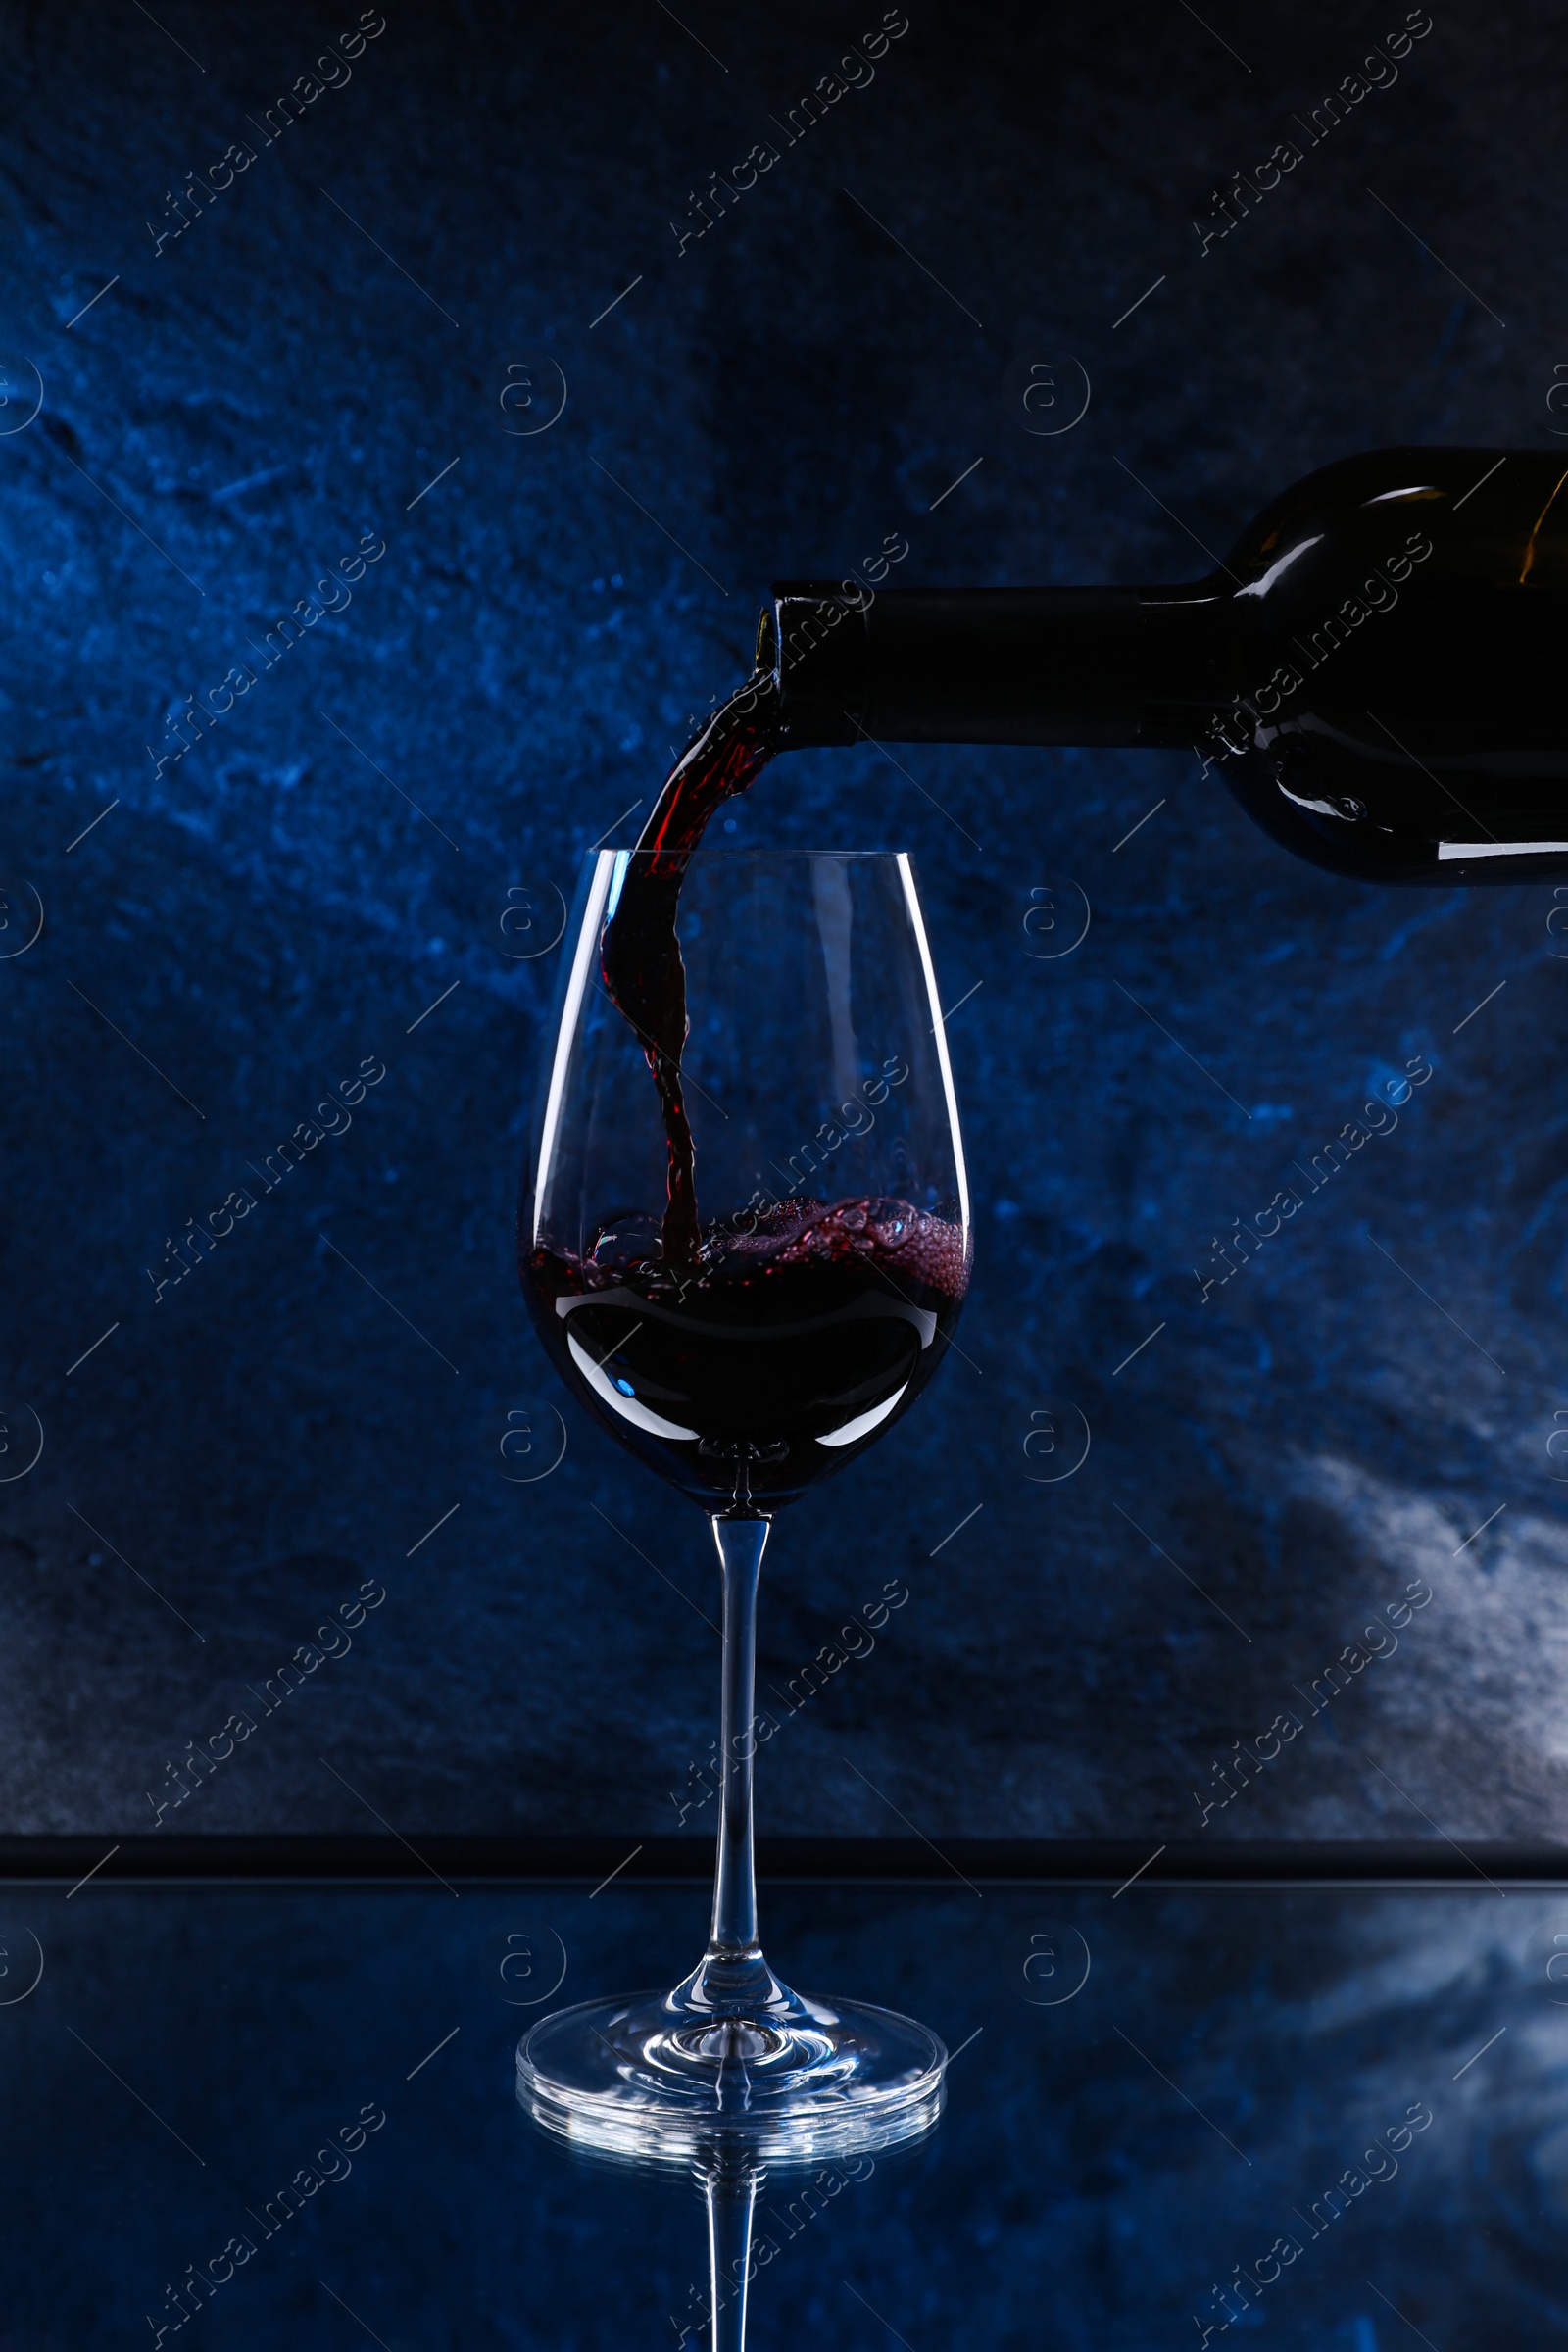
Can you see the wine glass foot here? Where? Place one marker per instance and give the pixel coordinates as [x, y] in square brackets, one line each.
[647, 2078]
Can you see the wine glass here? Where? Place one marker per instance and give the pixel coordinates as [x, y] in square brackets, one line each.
[745, 1251]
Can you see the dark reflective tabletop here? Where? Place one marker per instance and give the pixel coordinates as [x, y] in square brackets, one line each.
[1334, 2116]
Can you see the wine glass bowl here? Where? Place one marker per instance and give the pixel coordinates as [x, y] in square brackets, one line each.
[744, 1241]
[832, 1209]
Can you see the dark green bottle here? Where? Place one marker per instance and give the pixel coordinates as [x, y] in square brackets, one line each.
[1378, 668]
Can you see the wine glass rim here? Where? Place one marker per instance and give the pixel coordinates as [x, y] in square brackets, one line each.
[715, 853]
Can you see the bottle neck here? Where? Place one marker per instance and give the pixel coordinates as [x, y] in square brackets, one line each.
[1028, 665]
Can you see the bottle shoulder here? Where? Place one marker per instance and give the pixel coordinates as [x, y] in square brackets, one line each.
[1491, 516]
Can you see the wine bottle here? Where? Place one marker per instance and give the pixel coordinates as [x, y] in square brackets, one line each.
[1372, 669]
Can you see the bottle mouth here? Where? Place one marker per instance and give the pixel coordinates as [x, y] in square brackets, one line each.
[766, 641]
[812, 643]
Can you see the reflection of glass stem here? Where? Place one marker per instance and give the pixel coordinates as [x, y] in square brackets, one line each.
[731, 2182]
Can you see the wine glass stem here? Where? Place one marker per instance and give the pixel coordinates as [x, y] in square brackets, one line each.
[740, 1554]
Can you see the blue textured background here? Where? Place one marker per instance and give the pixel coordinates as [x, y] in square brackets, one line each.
[226, 421]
